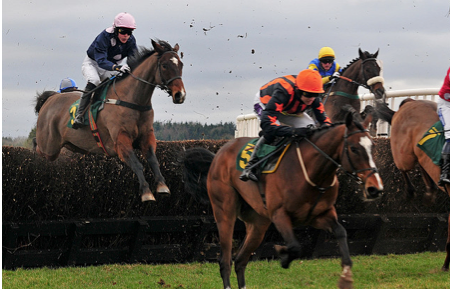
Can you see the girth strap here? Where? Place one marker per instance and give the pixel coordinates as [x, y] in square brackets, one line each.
[129, 104]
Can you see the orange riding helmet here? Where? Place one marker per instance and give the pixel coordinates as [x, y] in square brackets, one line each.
[310, 81]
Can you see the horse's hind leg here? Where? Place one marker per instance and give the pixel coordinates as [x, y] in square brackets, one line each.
[256, 227]
[410, 190]
[125, 151]
[432, 189]
[224, 204]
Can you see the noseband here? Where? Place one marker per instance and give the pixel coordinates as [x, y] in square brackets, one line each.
[371, 81]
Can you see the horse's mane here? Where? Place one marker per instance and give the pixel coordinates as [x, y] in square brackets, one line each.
[143, 53]
[366, 53]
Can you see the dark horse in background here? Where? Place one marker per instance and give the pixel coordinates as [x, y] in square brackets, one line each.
[121, 128]
[302, 191]
[408, 125]
[363, 71]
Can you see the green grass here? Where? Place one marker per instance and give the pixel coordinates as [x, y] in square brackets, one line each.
[392, 271]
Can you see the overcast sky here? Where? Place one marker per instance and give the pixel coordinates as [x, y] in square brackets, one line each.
[45, 41]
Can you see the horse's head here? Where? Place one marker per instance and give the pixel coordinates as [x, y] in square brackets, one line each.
[357, 157]
[170, 70]
[370, 72]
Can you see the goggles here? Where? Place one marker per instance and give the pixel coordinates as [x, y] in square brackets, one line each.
[310, 94]
[326, 60]
[124, 31]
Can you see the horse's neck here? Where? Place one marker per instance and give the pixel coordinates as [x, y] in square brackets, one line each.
[330, 142]
[354, 73]
[140, 90]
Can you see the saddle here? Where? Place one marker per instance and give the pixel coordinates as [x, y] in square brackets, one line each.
[432, 142]
[269, 155]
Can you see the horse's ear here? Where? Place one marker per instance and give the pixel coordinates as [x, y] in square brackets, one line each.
[361, 54]
[158, 48]
[349, 119]
[367, 120]
[176, 48]
[376, 53]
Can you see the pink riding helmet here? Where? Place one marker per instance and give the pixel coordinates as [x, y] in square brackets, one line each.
[124, 20]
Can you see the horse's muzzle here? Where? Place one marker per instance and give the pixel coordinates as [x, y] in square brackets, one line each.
[179, 96]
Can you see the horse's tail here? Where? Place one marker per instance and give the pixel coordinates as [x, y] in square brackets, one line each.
[196, 166]
[41, 98]
[384, 112]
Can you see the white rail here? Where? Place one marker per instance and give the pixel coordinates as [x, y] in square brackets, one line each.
[248, 125]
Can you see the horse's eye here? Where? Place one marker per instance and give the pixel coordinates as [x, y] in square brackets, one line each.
[164, 66]
[354, 150]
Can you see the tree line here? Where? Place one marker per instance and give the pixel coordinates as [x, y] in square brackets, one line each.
[165, 131]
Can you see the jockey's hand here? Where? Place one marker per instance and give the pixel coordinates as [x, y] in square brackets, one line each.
[122, 68]
[335, 75]
[302, 132]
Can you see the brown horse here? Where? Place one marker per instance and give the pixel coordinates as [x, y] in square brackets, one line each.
[302, 191]
[408, 125]
[122, 127]
[363, 71]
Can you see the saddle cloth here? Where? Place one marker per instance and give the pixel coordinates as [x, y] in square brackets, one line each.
[268, 166]
[432, 142]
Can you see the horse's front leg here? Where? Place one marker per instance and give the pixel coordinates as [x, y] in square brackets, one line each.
[149, 149]
[124, 149]
[293, 249]
[346, 280]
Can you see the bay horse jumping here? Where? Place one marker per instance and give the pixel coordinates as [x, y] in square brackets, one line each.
[302, 191]
[363, 71]
[121, 128]
[408, 125]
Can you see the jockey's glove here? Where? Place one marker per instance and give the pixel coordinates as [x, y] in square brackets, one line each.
[302, 132]
[122, 68]
[335, 75]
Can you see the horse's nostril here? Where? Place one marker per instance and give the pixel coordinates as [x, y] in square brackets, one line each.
[374, 193]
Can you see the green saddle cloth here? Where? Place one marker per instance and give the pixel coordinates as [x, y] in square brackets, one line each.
[95, 108]
[432, 142]
[246, 151]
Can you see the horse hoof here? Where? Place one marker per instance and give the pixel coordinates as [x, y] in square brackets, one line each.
[163, 190]
[147, 197]
[346, 280]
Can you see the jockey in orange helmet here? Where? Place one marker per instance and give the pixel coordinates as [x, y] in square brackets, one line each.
[285, 99]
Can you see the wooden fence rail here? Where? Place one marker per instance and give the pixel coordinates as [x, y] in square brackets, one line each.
[185, 239]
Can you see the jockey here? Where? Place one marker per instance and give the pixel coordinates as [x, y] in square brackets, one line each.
[67, 85]
[443, 110]
[284, 102]
[105, 56]
[325, 65]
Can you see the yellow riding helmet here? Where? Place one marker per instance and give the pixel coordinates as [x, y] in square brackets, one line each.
[326, 52]
[310, 81]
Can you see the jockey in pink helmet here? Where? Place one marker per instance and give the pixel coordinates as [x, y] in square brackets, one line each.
[106, 57]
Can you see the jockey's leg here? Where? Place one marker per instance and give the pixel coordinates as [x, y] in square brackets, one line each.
[248, 173]
[445, 168]
[84, 102]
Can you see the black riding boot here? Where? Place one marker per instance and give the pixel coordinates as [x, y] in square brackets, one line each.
[248, 173]
[445, 168]
[84, 102]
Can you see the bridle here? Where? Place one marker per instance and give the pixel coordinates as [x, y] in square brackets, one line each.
[165, 83]
[353, 174]
[367, 82]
